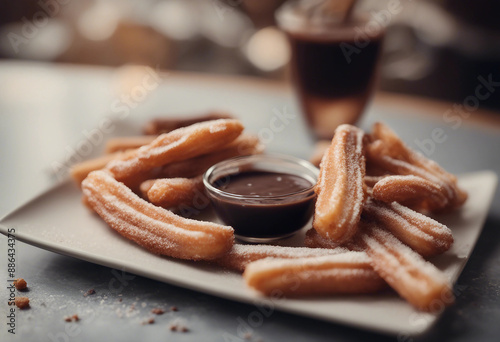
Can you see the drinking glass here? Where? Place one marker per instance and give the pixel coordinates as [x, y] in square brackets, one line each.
[334, 61]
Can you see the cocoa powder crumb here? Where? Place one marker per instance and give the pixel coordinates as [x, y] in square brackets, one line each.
[148, 321]
[22, 302]
[73, 318]
[177, 325]
[89, 293]
[20, 284]
[158, 311]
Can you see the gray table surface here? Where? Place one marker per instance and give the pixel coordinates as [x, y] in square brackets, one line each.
[45, 110]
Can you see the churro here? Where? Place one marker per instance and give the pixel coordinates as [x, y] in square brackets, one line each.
[425, 235]
[344, 273]
[81, 170]
[415, 279]
[167, 124]
[314, 240]
[172, 192]
[370, 181]
[128, 143]
[241, 255]
[389, 152]
[156, 229]
[411, 191]
[401, 167]
[340, 186]
[245, 144]
[181, 144]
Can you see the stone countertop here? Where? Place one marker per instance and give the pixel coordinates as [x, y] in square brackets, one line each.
[46, 109]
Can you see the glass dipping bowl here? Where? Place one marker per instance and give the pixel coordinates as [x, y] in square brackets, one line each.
[262, 218]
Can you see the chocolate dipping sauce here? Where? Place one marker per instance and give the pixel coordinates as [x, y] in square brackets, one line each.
[274, 204]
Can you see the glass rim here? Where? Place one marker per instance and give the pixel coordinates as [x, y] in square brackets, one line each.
[289, 20]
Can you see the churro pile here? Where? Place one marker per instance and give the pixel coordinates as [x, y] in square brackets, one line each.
[112, 186]
[373, 196]
[370, 228]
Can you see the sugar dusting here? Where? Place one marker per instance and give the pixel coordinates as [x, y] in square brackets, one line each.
[410, 189]
[152, 227]
[405, 270]
[339, 273]
[343, 260]
[340, 202]
[420, 232]
[430, 226]
[241, 255]
[414, 162]
[179, 144]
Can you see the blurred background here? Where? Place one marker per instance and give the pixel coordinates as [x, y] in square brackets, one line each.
[432, 48]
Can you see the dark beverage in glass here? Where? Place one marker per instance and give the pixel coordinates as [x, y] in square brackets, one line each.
[334, 66]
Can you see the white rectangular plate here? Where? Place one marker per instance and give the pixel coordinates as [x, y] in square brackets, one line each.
[57, 221]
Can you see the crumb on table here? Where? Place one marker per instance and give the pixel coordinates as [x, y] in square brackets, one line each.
[158, 311]
[72, 318]
[148, 321]
[178, 326]
[22, 302]
[20, 284]
[89, 293]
